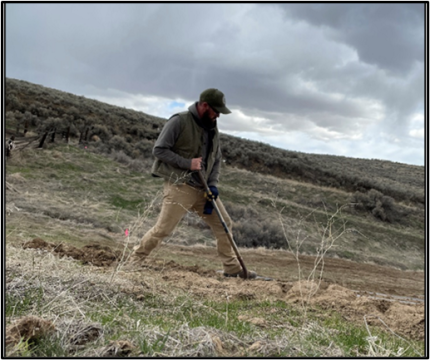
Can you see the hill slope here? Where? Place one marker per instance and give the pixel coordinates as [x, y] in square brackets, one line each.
[382, 203]
[66, 212]
[342, 274]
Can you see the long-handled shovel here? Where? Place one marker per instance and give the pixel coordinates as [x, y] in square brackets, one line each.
[229, 234]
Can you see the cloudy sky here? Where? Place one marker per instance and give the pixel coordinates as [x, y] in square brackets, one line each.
[329, 78]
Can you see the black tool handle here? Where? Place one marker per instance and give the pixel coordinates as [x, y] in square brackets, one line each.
[226, 229]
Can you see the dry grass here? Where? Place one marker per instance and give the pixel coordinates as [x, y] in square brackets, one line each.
[378, 348]
[102, 312]
[70, 293]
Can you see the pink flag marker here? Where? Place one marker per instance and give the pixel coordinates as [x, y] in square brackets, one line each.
[126, 232]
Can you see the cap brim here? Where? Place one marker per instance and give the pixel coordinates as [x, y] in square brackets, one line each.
[222, 110]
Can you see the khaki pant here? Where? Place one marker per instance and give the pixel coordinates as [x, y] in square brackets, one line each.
[177, 200]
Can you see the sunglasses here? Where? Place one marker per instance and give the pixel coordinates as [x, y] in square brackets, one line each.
[215, 111]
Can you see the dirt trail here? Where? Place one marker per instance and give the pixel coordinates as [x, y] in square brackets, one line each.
[356, 291]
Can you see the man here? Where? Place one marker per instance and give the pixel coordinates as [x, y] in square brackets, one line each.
[188, 143]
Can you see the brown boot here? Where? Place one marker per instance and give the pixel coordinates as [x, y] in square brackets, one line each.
[135, 262]
[251, 274]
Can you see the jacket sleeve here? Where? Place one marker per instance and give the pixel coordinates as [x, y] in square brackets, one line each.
[166, 140]
[214, 175]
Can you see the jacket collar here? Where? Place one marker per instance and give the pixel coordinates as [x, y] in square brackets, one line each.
[207, 126]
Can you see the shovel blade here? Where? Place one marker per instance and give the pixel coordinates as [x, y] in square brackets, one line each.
[258, 277]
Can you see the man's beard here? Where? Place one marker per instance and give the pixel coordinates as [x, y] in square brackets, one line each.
[207, 120]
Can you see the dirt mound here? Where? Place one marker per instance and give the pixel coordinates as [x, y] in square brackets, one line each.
[99, 255]
[27, 328]
[119, 348]
[406, 319]
[402, 318]
[96, 254]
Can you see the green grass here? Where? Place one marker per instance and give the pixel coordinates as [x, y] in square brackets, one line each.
[150, 349]
[49, 347]
[30, 300]
[119, 202]
[330, 328]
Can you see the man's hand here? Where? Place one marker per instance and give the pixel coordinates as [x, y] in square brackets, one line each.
[212, 196]
[196, 164]
[213, 193]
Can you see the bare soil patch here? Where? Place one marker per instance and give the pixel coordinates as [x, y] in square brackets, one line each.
[27, 328]
[97, 255]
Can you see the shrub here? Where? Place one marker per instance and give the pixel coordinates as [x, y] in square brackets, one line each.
[240, 212]
[379, 205]
[145, 147]
[250, 229]
[100, 147]
[137, 130]
[101, 131]
[259, 233]
[118, 143]
[121, 157]
[140, 165]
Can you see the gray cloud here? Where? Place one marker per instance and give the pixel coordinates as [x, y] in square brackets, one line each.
[332, 71]
[390, 35]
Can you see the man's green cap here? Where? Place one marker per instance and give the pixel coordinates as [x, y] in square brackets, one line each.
[215, 99]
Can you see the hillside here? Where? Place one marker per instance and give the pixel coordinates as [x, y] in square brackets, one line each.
[66, 212]
[382, 202]
[123, 129]
[347, 260]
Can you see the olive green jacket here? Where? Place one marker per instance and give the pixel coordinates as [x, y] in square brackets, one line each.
[181, 140]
